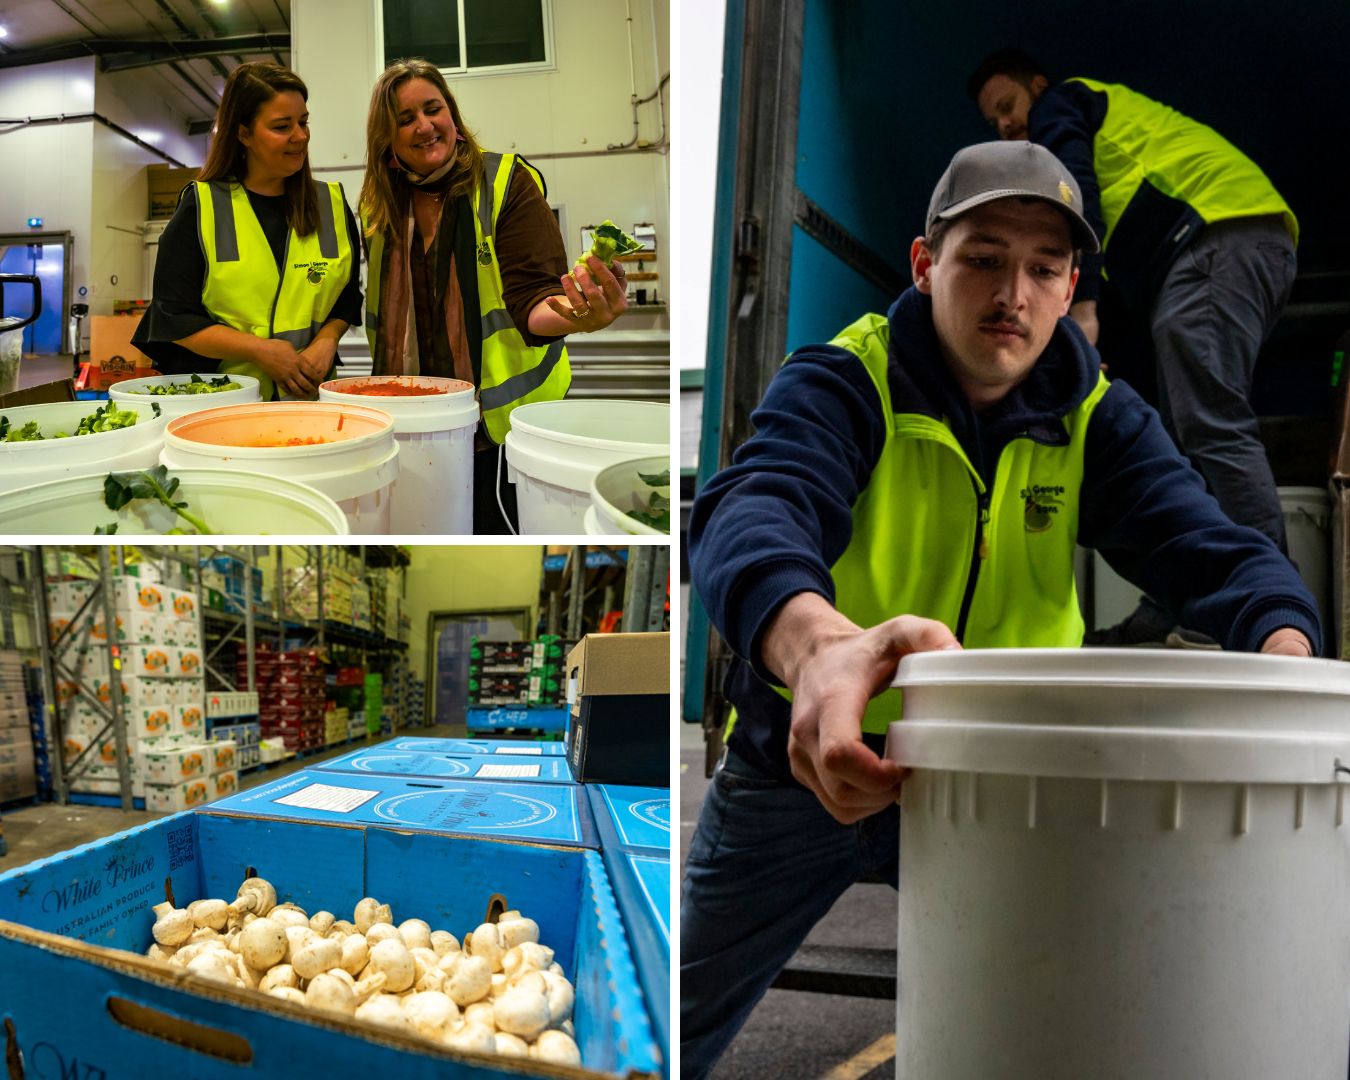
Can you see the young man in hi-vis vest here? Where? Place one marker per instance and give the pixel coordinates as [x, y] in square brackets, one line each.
[920, 483]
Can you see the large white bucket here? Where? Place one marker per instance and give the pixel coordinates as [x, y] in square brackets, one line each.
[177, 404]
[228, 501]
[1307, 516]
[1123, 863]
[25, 463]
[355, 466]
[616, 490]
[555, 447]
[434, 492]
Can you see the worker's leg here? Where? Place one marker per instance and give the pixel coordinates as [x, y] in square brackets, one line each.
[1215, 308]
[765, 865]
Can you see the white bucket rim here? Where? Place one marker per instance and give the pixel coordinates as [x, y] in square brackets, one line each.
[607, 510]
[432, 412]
[234, 479]
[249, 390]
[569, 461]
[148, 422]
[172, 438]
[523, 422]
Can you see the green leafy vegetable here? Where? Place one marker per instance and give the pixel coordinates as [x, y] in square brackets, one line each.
[105, 418]
[28, 433]
[610, 240]
[120, 488]
[195, 385]
[657, 513]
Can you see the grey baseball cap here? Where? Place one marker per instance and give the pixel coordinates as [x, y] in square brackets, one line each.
[1000, 170]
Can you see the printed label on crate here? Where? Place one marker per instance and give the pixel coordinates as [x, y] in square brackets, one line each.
[518, 750]
[332, 800]
[506, 772]
[475, 746]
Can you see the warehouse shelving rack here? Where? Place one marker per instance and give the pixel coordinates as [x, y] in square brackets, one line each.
[20, 582]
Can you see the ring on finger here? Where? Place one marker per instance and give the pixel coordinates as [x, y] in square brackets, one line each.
[580, 313]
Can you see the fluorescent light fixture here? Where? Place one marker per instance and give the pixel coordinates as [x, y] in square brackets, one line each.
[149, 136]
[3, 32]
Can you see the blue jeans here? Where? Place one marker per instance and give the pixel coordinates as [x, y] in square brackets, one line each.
[765, 865]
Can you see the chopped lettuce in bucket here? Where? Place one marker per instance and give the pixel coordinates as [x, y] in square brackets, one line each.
[105, 418]
[195, 385]
[657, 512]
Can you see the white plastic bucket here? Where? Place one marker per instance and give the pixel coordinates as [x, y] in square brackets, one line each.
[555, 447]
[177, 404]
[229, 501]
[1307, 527]
[1123, 863]
[434, 492]
[25, 463]
[618, 489]
[356, 466]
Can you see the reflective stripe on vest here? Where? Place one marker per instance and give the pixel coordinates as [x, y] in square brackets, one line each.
[511, 372]
[1142, 139]
[917, 529]
[243, 289]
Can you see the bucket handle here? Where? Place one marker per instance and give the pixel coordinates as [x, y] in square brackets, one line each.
[497, 487]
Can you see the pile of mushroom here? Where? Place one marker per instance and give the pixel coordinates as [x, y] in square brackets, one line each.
[500, 992]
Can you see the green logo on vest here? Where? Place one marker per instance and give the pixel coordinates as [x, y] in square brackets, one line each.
[314, 271]
[1042, 504]
[484, 254]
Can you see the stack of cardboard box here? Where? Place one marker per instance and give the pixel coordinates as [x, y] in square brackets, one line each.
[18, 778]
[291, 696]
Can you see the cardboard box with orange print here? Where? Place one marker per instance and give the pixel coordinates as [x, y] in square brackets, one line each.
[187, 662]
[112, 356]
[170, 798]
[174, 764]
[188, 718]
[132, 594]
[181, 605]
[150, 661]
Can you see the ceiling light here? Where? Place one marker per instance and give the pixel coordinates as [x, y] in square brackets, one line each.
[3, 32]
[149, 136]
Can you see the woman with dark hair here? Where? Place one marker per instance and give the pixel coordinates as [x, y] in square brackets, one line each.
[257, 270]
[468, 275]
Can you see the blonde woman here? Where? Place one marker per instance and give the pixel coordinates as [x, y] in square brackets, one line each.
[468, 274]
[255, 273]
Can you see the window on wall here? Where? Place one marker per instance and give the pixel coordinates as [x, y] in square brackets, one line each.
[470, 36]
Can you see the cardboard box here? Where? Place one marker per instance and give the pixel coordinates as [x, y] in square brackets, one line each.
[221, 757]
[475, 746]
[187, 718]
[552, 769]
[173, 764]
[98, 897]
[170, 798]
[164, 184]
[112, 356]
[633, 818]
[132, 594]
[619, 716]
[149, 661]
[555, 814]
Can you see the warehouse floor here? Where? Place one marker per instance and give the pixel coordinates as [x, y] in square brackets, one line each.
[34, 832]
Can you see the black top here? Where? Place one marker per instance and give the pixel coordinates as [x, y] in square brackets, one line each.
[176, 310]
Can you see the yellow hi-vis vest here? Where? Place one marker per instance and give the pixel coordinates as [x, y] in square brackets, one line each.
[995, 565]
[511, 372]
[1142, 139]
[243, 288]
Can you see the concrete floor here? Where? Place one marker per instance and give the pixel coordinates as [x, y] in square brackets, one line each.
[35, 832]
[797, 1034]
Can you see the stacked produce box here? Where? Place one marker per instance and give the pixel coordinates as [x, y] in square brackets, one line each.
[374, 703]
[361, 607]
[548, 670]
[379, 601]
[408, 697]
[223, 583]
[42, 757]
[302, 595]
[18, 773]
[499, 672]
[290, 696]
[157, 632]
[232, 716]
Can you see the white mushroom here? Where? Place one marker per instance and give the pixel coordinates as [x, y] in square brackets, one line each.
[315, 956]
[431, 1014]
[209, 913]
[499, 984]
[289, 917]
[248, 977]
[288, 993]
[256, 896]
[321, 922]
[161, 952]
[342, 926]
[515, 931]
[442, 942]
[332, 994]
[470, 981]
[386, 1010]
[395, 962]
[214, 965]
[480, 1012]
[522, 1011]
[296, 936]
[262, 943]
[345, 976]
[173, 926]
[204, 933]
[509, 1045]
[280, 975]
[383, 932]
[557, 1047]
[561, 997]
[528, 956]
[370, 911]
[416, 933]
[432, 979]
[355, 953]
[472, 1037]
[487, 943]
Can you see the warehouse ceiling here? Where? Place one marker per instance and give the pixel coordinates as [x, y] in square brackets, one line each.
[187, 47]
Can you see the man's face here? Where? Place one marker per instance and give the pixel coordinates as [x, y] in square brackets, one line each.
[1005, 103]
[1002, 278]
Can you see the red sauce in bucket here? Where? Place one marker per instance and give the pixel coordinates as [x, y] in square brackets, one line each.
[392, 389]
[295, 440]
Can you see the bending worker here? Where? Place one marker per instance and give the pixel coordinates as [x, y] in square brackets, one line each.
[468, 277]
[919, 483]
[1197, 244]
[256, 272]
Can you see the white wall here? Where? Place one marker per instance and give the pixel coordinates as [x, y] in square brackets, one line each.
[577, 109]
[132, 99]
[48, 170]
